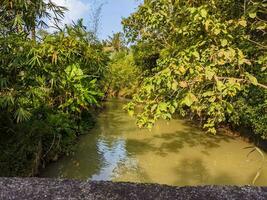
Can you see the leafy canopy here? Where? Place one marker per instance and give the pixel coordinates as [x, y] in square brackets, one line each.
[210, 64]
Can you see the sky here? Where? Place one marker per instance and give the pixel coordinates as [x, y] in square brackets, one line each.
[111, 14]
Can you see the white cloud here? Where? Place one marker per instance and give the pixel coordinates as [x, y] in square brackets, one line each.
[76, 9]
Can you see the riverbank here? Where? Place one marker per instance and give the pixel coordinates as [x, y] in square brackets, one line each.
[34, 188]
[35, 144]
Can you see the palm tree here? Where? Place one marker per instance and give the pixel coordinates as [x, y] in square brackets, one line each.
[117, 41]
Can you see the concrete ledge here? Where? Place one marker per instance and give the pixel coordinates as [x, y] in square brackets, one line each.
[42, 189]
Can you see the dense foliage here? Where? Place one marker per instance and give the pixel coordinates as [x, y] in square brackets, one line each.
[203, 59]
[122, 77]
[48, 82]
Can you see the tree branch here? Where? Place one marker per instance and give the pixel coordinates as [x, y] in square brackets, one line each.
[240, 80]
[265, 47]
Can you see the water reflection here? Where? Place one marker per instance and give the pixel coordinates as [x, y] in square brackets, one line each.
[175, 153]
[113, 154]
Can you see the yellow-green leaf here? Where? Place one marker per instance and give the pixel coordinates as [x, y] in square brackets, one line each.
[252, 15]
[174, 85]
[243, 23]
[203, 13]
[252, 79]
[224, 42]
[189, 99]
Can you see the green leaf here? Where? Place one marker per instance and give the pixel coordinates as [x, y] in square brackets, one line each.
[261, 27]
[203, 13]
[153, 108]
[209, 73]
[224, 42]
[18, 20]
[167, 116]
[252, 79]
[208, 94]
[196, 54]
[175, 85]
[217, 31]
[172, 109]
[220, 86]
[243, 22]
[131, 112]
[189, 99]
[22, 115]
[229, 108]
[163, 106]
[252, 15]
[175, 104]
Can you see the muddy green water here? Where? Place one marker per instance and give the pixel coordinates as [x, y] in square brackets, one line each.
[174, 153]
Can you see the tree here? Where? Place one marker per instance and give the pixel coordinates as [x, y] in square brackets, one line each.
[211, 64]
[117, 42]
[47, 84]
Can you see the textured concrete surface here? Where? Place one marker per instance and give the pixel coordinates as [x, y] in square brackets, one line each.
[35, 188]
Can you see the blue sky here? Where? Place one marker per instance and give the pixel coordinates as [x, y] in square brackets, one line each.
[112, 13]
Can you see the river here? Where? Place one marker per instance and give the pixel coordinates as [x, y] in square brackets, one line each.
[174, 152]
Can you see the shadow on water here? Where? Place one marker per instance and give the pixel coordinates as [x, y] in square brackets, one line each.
[176, 141]
[194, 172]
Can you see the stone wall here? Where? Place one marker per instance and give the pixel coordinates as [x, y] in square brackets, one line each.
[44, 189]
